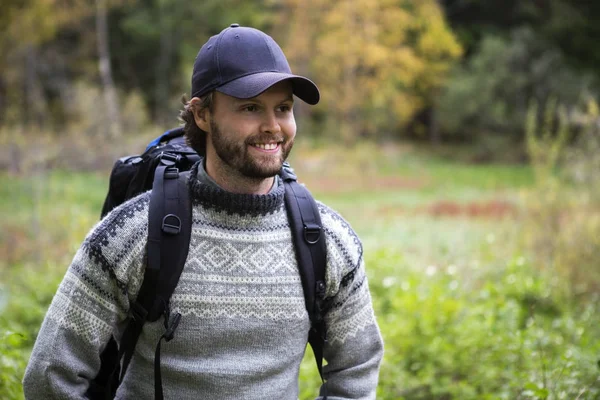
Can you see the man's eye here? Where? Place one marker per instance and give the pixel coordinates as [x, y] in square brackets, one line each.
[250, 108]
[285, 108]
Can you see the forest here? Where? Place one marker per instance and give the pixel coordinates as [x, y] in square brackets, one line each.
[460, 138]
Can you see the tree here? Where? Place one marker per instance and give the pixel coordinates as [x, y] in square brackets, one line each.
[489, 94]
[570, 25]
[376, 62]
[110, 96]
[26, 30]
[154, 44]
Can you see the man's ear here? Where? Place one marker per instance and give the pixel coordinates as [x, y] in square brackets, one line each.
[201, 115]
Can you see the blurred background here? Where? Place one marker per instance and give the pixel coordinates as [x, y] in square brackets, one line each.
[460, 138]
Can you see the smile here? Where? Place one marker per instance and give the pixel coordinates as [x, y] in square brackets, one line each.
[266, 146]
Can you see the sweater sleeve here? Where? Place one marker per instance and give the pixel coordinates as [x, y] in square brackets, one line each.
[90, 305]
[354, 348]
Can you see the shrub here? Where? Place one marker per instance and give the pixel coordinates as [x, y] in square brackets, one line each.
[488, 94]
[12, 363]
[563, 209]
[510, 338]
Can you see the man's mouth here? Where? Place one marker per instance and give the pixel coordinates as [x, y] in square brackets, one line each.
[266, 146]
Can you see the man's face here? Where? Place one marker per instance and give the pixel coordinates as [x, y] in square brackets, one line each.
[253, 136]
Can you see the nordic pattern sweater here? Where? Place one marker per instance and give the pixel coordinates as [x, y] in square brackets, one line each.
[244, 324]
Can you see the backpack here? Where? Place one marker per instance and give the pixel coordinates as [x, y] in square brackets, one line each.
[164, 167]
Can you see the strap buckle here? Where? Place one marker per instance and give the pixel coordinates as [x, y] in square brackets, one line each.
[173, 323]
[171, 224]
[138, 313]
[171, 173]
[312, 233]
[170, 159]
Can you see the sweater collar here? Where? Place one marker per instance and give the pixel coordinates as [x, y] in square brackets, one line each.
[212, 196]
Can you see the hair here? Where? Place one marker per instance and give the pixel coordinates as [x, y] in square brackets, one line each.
[195, 137]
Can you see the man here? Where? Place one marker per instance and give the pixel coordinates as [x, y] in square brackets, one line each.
[244, 323]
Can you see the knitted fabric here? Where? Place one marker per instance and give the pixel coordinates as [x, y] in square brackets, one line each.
[244, 324]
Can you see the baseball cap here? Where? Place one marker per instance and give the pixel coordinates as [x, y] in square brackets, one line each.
[244, 62]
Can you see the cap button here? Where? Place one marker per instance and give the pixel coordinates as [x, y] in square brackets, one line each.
[234, 25]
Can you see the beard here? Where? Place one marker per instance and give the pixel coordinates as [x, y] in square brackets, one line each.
[235, 154]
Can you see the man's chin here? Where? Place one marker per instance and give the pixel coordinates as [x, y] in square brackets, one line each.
[262, 171]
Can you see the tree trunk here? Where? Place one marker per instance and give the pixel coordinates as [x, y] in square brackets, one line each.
[108, 87]
[163, 66]
[434, 129]
[34, 110]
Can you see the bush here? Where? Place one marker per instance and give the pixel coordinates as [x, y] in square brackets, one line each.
[13, 360]
[563, 210]
[489, 94]
[22, 309]
[509, 338]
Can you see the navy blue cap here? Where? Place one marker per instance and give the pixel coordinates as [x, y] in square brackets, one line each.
[244, 62]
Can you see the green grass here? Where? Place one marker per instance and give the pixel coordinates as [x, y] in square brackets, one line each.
[464, 312]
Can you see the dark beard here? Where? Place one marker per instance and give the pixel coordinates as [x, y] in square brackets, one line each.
[235, 154]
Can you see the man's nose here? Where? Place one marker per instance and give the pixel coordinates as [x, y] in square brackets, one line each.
[270, 123]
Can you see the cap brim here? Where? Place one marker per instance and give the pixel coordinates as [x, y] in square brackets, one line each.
[252, 85]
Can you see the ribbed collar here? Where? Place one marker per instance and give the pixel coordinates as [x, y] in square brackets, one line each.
[212, 196]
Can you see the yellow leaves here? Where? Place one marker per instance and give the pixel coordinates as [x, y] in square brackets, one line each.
[39, 20]
[592, 108]
[32, 23]
[372, 54]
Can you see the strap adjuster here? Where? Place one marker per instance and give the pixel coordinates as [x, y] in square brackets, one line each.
[170, 159]
[138, 313]
[312, 233]
[171, 224]
[172, 325]
[171, 173]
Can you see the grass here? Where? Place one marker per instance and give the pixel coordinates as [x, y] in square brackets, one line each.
[464, 312]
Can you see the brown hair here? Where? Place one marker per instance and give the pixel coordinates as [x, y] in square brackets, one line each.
[195, 137]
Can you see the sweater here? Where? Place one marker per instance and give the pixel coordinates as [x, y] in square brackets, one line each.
[244, 324]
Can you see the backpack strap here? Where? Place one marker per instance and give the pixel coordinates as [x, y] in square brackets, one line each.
[169, 231]
[311, 254]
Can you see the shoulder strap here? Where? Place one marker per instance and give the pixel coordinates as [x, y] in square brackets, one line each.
[169, 231]
[311, 254]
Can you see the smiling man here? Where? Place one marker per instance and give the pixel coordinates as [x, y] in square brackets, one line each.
[244, 323]
[248, 139]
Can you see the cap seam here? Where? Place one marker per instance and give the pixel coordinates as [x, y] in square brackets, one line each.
[273, 63]
[218, 46]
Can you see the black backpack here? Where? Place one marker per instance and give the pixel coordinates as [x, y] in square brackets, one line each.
[164, 168]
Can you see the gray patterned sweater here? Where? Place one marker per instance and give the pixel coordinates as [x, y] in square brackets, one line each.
[244, 324]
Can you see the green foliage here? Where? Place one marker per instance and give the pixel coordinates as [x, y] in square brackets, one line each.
[380, 64]
[505, 336]
[544, 145]
[489, 94]
[464, 312]
[12, 363]
[396, 58]
[23, 305]
[563, 211]
[570, 25]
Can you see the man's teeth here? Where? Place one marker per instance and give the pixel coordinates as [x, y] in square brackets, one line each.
[266, 146]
